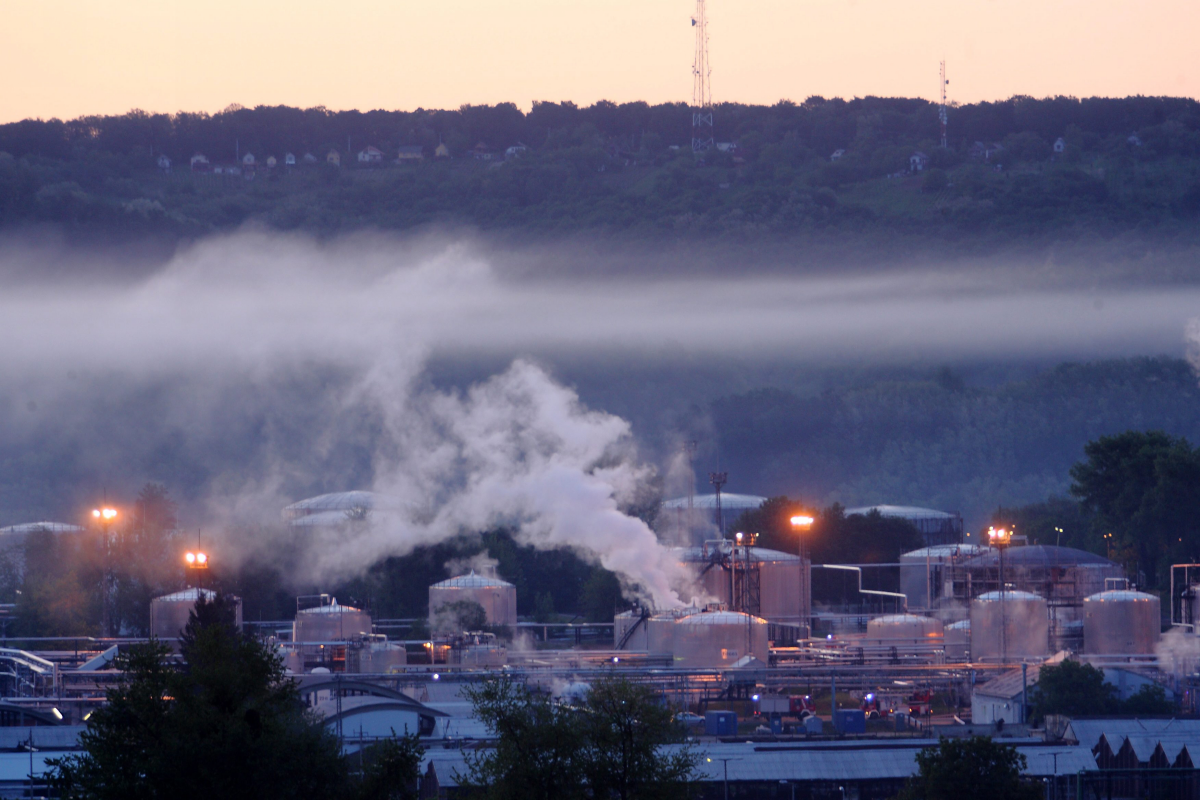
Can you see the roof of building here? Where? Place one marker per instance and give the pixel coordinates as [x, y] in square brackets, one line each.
[1009, 685]
[729, 500]
[696, 555]
[946, 551]
[904, 512]
[719, 618]
[1040, 555]
[1144, 735]
[187, 595]
[52, 527]
[472, 581]
[1008, 595]
[1123, 595]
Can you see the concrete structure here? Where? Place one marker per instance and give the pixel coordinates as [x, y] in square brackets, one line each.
[331, 622]
[937, 527]
[1122, 622]
[715, 639]
[1009, 625]
[498, 598]
[169, 613]
[928, 573]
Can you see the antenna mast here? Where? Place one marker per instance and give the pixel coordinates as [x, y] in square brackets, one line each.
[942, 111]
[702, 115]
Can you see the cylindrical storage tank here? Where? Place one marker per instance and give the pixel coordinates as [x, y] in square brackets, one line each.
[778, 576]
[169, 613]
[660, 629]
[622, 623]
[717, 639]
[929, 569]
[1009, 625]
[331, 623]
[904, 626]
[1122, 622]
[958, 642]
[498, 598]
[381, 657]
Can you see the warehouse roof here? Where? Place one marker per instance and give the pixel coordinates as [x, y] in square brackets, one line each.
[1143, 734]
[945, 551]
[188, 595]
[52, 527]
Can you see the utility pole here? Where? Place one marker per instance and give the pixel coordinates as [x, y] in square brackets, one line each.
[702, 114]
[942, 110]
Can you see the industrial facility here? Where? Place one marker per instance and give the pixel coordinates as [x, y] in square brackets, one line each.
[748, 653]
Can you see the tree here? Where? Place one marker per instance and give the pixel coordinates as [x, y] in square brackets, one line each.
[624, 726]
[228, 724]
[391, 769]
[613, 739]
[1142, 492]
[1149, 701]
[976, 766]
[538, 745]
[1073, 689]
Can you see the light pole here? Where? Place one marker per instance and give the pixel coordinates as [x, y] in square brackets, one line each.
[197, 563]
[726, 762]
[791, 784]
[104, 517]
[800, 523]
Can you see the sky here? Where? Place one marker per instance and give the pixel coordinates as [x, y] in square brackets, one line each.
[67, 58]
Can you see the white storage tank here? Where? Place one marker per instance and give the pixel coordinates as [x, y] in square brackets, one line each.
[169, 613]
[376, 655]
[930, 569]
[331, 623]
[778, 576]
[498, 598]
[715, 639]
[912, 627]
[957, 637]
[1122, 622]
[622, 622]
[1010, 624]
[660, 629]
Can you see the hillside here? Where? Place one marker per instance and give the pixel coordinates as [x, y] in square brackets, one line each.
[1122, 165]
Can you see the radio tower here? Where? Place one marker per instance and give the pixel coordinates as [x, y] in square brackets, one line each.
[702, 115]
[942, 110]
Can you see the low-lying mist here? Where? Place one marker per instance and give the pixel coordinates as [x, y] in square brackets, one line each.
[251, 369]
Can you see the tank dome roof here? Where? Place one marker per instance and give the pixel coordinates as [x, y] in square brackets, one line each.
[471, 581]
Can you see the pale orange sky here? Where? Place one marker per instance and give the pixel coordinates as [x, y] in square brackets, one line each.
[65, 58]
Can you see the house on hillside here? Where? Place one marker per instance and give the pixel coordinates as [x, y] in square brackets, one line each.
[271, 162]
[333, 157]
[370, 155]
[1060, 146]
[200, 163]
[480, 152]
[837, 154]
[309, 158]
[289, 159]
[410, 152]
[917, 162]
[983, 152]
[441, 151]
[516, 151]
[164, 163]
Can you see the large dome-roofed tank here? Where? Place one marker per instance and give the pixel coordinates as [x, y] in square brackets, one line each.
[931, 569]
[169, 613]
[715, 639]
[1121, 622]
[904, 626]
[497, 597]
[778, 576]
[622, 623]
[1010, 624]
[957, 638]
[331, 623]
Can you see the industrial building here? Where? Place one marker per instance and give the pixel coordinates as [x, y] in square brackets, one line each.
[757, 580]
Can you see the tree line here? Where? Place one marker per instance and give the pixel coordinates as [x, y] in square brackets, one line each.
[1125, 163]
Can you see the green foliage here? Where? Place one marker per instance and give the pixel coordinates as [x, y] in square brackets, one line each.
[390, 769]
[976, 766]
[1074, 689]
[600, 597]
[833, 538]
[1141, 491]
[229, 724]
[543, 609]
[608, 746]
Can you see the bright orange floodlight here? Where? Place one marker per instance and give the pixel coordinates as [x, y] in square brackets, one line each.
[802, 521]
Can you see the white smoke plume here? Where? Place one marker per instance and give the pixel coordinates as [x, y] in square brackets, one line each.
[480, 564]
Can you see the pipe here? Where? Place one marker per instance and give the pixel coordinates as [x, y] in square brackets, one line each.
[893, 595]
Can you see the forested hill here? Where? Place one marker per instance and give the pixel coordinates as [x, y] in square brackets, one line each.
[1129, 164]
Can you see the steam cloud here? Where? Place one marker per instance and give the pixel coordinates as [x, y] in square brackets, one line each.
[518, 449]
